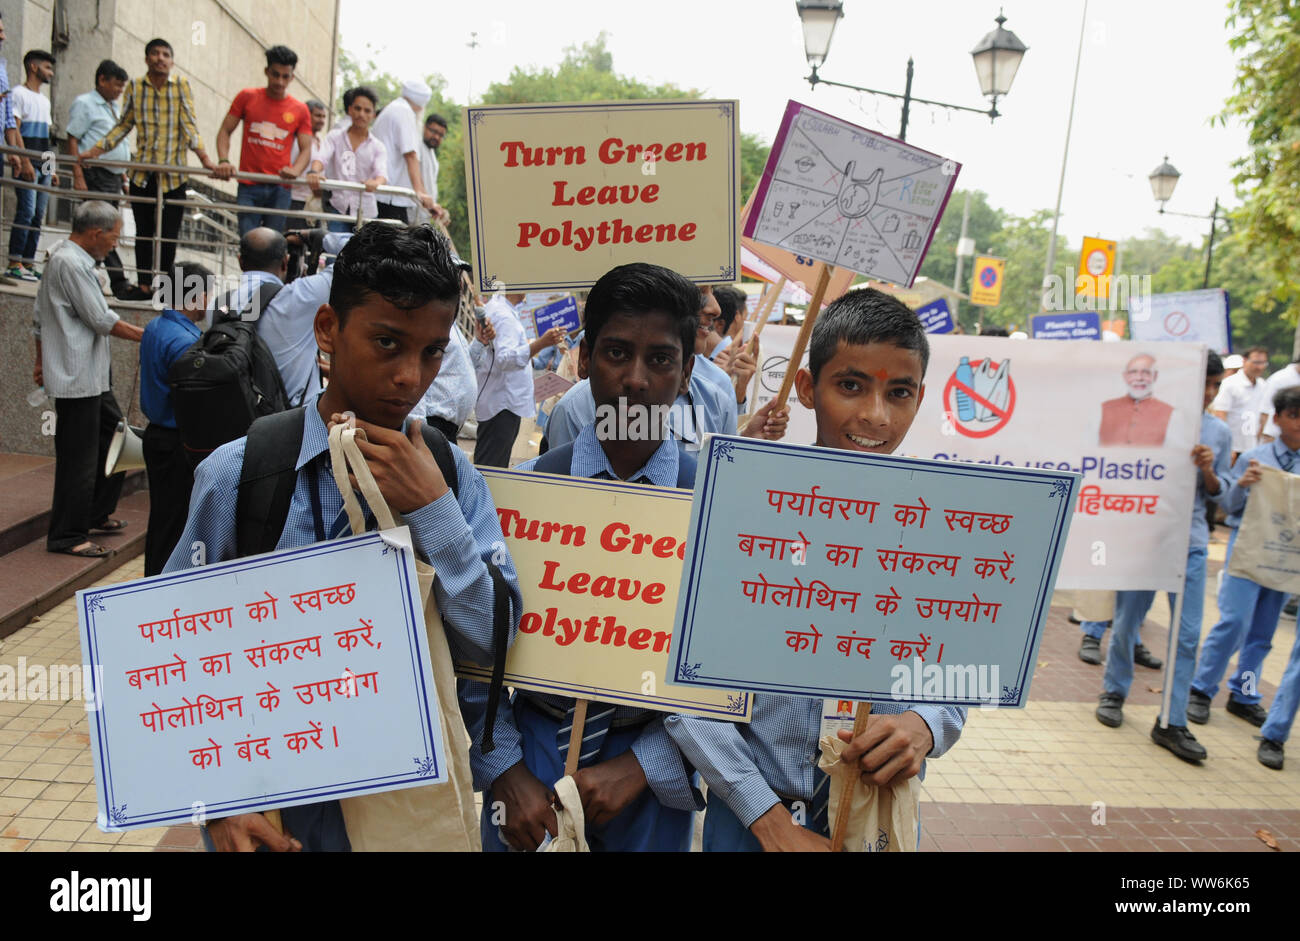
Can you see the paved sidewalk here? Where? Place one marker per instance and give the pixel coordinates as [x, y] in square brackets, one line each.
[47, 790]
[1047, 777]
[1051, 777]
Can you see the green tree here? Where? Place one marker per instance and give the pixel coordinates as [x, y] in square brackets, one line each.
[941, 260]
[1147, 255]
[1266, 36]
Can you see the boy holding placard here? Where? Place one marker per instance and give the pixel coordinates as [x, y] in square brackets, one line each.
[1213, 479]
[1248, 611]
[636, 791]
[864, 381]
[391, 309]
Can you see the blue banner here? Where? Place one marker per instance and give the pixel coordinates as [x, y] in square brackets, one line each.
[935, 316]
[562, 313]
[1082, 325]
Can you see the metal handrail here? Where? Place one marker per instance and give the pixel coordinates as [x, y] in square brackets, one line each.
[65, 160]
[186, 170]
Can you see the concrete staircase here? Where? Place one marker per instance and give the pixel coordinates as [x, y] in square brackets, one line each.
[33, 580]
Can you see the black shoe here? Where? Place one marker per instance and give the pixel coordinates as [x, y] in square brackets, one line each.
[1252, 712]
[1289, 609]
[1198, 707]
[1090, 649]
[127, 291]
[1144, 658]
[1270, 754]
[1178, 740]
[1110, 710]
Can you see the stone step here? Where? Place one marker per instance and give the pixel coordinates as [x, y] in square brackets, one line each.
[33, 580]
[28, 494]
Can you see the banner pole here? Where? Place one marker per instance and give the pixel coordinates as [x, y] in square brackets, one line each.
[575, 737]
[846, 792]
[1175, 625]
[801, 343]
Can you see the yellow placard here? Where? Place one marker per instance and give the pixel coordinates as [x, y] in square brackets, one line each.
[986, 281]
[560, 193]
[1096, 266]
[599, 564]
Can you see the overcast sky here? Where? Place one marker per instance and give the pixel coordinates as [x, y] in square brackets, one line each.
[1153, 72]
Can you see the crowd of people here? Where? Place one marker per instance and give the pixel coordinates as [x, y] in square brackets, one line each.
[370, 336]
[374, 144]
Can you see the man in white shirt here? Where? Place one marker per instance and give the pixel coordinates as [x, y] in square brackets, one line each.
[435, 131]
[1284, 378]
[72, 325]
[398, 129]
[503, 365]
[1241, 399]
[449, 400]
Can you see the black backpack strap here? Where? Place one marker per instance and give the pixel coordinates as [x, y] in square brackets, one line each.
[266, 481]
[446, 461]
[442, 455]
[225, 309]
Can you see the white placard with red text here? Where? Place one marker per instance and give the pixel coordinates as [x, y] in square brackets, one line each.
[280, 679]
[1046, 409]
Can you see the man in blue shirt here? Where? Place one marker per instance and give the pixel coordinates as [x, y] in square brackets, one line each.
[636, 792]
[392, 306]
[1248, 612]
[1131, 607]
[171, 475]
[263, 261]
[287, 325]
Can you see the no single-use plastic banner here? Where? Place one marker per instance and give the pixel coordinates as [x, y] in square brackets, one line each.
[1123, 415]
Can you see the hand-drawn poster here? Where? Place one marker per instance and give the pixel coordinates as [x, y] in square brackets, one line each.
[850, 197]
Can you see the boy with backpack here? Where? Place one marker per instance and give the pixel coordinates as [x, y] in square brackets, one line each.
[392, 306]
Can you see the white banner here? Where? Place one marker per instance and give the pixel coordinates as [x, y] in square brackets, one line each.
[1062, 405]
[1185, 317]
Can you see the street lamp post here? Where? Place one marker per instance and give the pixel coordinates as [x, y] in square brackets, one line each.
[1163, 179]
[997, 57]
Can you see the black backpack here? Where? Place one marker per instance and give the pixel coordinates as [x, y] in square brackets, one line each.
[227, 379]
[266, 483]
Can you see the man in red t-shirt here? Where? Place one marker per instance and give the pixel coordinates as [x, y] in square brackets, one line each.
[272, 120]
